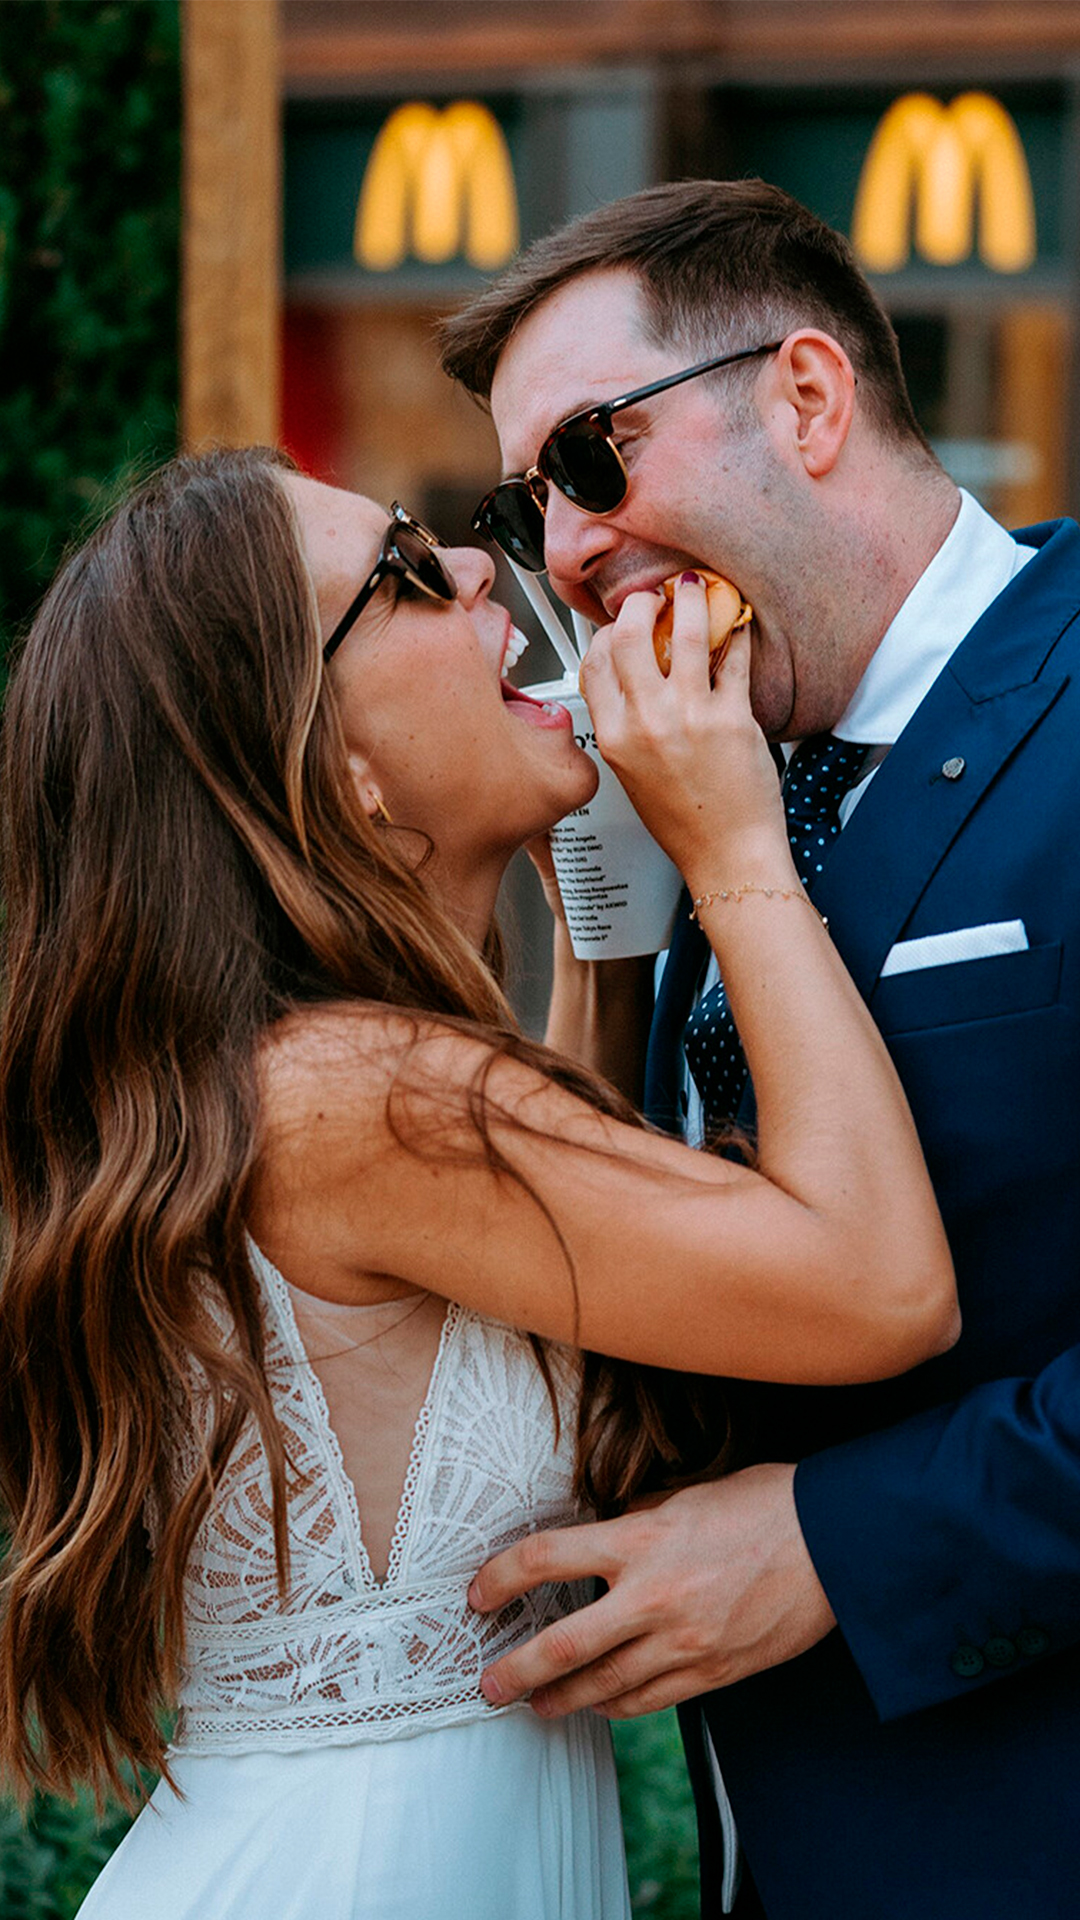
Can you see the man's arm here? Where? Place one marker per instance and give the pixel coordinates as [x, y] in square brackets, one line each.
[950, 1544]
[946, 1548]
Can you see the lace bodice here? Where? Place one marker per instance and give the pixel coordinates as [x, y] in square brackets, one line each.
[343, 1657]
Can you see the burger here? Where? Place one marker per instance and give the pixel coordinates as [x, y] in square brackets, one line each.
[727, 612]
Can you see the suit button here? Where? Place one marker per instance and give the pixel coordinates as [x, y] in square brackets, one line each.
[1032, 1641]
[999, 1652]
[967, 1662]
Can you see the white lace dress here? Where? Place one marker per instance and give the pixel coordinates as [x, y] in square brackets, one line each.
[336, 1758]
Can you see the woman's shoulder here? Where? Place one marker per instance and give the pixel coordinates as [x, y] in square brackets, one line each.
[324, 1073]
[312, 1039]
[391, 1142]
[346, 1059]
[344, 1089]
[342, 1057]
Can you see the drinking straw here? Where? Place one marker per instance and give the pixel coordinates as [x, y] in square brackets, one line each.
[552, 625]
[583, 631]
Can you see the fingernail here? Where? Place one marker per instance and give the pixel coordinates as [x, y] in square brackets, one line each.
[690, 579]
[475, 1597]
[541, 1702]
[491, 1689]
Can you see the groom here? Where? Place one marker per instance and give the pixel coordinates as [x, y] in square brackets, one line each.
[880, 1647]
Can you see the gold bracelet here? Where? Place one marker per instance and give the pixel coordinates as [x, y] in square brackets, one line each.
[769, 893]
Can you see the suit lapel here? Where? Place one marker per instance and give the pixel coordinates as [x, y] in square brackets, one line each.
[995, 690]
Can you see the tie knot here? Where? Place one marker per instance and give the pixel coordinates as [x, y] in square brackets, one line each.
[819, 774]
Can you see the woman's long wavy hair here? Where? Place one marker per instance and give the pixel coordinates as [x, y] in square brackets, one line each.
[185, 861]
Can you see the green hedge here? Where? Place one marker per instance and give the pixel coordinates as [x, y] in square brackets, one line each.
[48, 1861]
[89, 276]
[658, 1818]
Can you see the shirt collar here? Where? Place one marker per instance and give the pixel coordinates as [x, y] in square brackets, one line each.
[974, 563]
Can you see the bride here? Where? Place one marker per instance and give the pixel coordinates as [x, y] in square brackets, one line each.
[305, 1242]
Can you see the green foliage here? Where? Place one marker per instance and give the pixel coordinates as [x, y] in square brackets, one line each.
[89, 223]
[658, 1817]
[48, 1861]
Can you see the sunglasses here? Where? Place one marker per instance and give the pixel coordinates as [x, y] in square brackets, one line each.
[581, 459]
[408, 555]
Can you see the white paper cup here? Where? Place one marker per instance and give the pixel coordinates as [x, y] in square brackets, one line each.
[619, 889]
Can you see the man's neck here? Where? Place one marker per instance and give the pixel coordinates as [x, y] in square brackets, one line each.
[893, 534]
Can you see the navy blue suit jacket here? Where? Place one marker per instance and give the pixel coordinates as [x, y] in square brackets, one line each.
[924, 1760]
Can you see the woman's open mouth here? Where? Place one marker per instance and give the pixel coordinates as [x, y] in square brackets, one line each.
[535, 713]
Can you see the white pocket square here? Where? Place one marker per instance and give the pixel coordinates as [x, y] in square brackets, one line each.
[965, 943]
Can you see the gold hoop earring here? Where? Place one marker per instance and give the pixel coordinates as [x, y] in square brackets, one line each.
[382, 810]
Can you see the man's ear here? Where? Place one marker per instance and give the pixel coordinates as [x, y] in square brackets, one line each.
[817, 381]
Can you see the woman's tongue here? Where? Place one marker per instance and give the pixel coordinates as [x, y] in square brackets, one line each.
[535, 713]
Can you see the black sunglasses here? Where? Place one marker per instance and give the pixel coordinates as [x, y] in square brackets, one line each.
[408, 555]
[580, 458]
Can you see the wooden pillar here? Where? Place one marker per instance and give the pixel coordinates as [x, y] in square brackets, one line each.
[230, 322]
[1032, 410]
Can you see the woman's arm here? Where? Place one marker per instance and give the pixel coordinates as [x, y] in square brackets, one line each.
[826, 1262]
[830, 1268]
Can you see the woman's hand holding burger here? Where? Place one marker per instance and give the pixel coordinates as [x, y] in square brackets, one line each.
[689, 752]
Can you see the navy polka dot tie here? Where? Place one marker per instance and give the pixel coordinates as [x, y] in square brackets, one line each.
[819, 774]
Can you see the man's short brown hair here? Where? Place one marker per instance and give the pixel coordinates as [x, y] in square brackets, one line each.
[720, 264]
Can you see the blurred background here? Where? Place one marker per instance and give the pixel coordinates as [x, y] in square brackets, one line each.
[239, 220]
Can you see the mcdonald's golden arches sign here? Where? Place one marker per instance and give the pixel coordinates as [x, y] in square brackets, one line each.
[951, 176]
[439, 182]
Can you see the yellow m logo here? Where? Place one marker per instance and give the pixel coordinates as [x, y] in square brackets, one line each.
[437, 184]
[945, 159]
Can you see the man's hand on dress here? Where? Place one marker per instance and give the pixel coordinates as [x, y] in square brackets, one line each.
[712, 1584]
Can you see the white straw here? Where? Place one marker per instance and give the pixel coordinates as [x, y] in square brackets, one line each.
[552, 625]
[583, 631]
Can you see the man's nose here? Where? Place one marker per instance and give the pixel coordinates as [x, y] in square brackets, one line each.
[575, 542]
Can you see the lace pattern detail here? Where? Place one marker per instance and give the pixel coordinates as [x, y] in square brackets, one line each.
[342, 1658]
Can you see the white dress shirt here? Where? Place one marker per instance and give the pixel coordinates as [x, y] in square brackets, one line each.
[971, 568]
